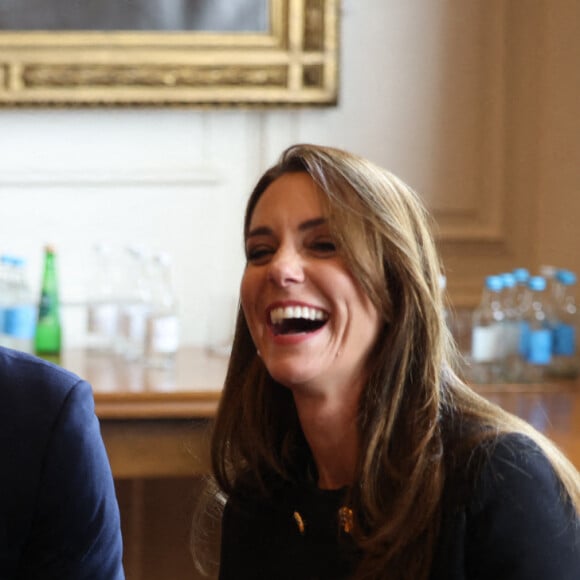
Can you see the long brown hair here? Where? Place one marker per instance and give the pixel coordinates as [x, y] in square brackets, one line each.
[414, 412]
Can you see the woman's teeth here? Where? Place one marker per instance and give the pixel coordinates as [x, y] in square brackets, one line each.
[278, 315]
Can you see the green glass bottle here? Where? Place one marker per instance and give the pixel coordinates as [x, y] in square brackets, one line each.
[47, 340]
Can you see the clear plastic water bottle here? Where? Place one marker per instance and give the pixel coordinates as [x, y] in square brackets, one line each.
[522, 275]
[135, 305]
[20, 311]
[162, 333]
[5, 294]
[536, 331]
[443, 290]
[566, 359]
[487, 340]
[549, 273]
[102, 304]
[512, 370]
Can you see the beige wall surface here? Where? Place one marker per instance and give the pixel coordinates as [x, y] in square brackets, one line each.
[559, 162]
[529, 203]
[473, 103]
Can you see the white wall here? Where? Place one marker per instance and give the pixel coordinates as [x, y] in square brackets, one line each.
[177, 180]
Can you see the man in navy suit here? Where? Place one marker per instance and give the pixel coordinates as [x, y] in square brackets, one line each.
[59, 517]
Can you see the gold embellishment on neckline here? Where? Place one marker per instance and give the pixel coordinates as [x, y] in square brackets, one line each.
[299, 522]
[345, 519]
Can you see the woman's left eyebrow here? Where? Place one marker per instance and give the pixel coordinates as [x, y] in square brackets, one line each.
[260, 231]
[304, 226]
[309, 224]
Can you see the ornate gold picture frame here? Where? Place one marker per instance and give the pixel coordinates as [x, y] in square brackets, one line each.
[293, 63]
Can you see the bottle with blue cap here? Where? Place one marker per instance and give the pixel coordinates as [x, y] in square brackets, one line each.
[512, 370]
[521, 275]
[565, 360]
[20, 310]
[6, 275]
[487, 348]
[536, 331]
[549, 272]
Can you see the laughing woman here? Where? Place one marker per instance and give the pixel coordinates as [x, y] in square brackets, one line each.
[345, 444]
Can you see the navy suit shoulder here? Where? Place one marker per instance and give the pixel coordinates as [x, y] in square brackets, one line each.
[59, 516]
[517, 522]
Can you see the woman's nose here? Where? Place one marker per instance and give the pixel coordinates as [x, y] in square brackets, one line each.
[286, 268]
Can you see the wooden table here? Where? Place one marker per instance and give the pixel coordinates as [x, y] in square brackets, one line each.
[154, 421]
[552, 408]
[155, 427]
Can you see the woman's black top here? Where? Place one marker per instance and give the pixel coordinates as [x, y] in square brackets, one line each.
[512, 522]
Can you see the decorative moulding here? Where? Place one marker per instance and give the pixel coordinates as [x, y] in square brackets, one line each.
[107, 177]
[294, 62]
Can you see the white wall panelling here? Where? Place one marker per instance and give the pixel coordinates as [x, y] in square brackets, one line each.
[449, 95]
